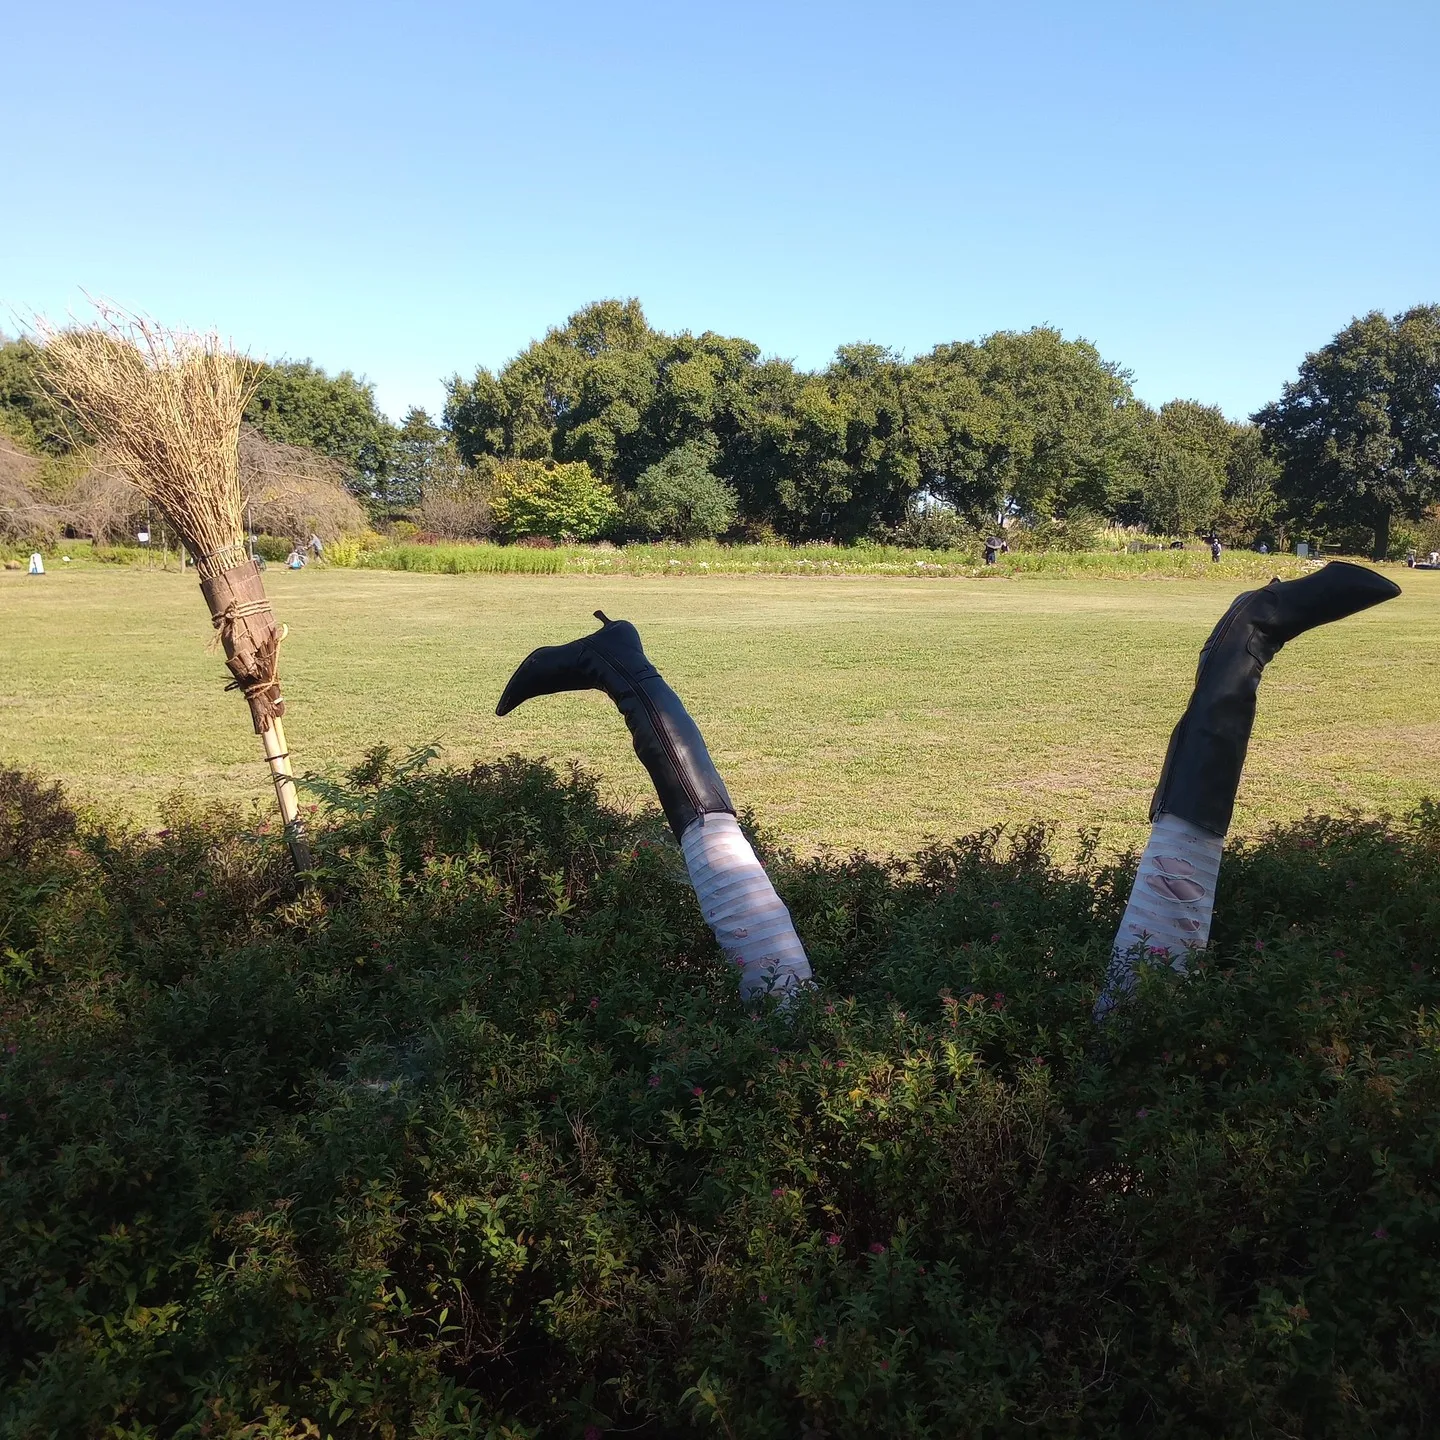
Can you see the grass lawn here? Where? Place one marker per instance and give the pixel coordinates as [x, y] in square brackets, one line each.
[849, 712]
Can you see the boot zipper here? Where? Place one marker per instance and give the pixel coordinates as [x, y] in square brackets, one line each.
[653, 712]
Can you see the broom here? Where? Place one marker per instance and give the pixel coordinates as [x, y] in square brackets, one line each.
[165, 408]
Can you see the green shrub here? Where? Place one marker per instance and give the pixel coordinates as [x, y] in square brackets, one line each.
[542, 497]
[681, 497]
[937, 527]
[1078, 532]
[274, 549]
[473, 1138]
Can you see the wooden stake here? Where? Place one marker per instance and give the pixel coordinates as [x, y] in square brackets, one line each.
[273, 739]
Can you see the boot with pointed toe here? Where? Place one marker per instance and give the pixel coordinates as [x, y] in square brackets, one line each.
[1202, 767]
[667, 740]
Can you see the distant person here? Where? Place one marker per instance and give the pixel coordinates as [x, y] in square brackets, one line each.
[317, 546]
[994, 546]
[1410, 558]
[1434, 559]
[1177, 544]
[1215, 549]
[1264, 548]
[37, 565]
[296, 560]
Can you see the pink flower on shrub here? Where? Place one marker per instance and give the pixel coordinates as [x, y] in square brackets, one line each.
[994, 937]
[697, 1090]
[884, 1364]
[1381, 1233]
[876, 1248]
[819, 1342]
[832, 1238]
[594, 1002]
[653, 1082]
[1338, 954]
[1259, 944]
[776, 1193]
[1142, 1113]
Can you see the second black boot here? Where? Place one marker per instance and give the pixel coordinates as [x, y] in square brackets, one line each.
[1207, 749]
[667, 740]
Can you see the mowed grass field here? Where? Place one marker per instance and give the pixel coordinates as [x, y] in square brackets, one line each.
[852, 713]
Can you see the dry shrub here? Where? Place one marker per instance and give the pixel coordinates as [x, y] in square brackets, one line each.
[293, 491]
[104, 505]
[455, 516]
[27, 516]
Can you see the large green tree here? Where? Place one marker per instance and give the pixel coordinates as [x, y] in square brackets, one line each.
[1188, 451]
[422, 460]
[1031, 424]
[1021, 424]
[297, 403]
[1357, 433]
[28, 412]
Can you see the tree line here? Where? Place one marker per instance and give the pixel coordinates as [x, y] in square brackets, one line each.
[610, 426]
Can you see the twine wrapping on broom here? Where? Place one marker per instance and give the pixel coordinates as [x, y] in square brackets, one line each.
[245, 626]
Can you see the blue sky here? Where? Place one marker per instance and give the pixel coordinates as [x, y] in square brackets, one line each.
[1205, 190]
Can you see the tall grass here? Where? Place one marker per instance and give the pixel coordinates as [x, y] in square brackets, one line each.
[780, 559]
[465, 560]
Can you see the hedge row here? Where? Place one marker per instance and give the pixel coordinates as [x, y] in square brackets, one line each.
[474, 1139]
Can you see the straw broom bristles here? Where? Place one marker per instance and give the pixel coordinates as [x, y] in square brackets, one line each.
[165, 407]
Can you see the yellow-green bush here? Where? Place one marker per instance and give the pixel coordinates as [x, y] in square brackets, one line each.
[543, 497]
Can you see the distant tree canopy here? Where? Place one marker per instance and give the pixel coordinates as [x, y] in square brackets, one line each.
[28, 413]
[1025, 423]
[1357, 434]
[423, 459]
[610, 426]
[297, 403]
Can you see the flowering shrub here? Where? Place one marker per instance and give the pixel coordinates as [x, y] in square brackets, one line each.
[474, 1138]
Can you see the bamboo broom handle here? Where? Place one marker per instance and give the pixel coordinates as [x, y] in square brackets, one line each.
[273, 739]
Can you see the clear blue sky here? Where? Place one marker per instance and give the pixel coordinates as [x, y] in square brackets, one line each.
[1205, 190]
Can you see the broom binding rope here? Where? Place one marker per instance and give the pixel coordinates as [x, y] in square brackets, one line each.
[166, 407]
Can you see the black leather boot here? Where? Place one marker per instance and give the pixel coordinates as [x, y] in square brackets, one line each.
[1207, 749]
[667, 740]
